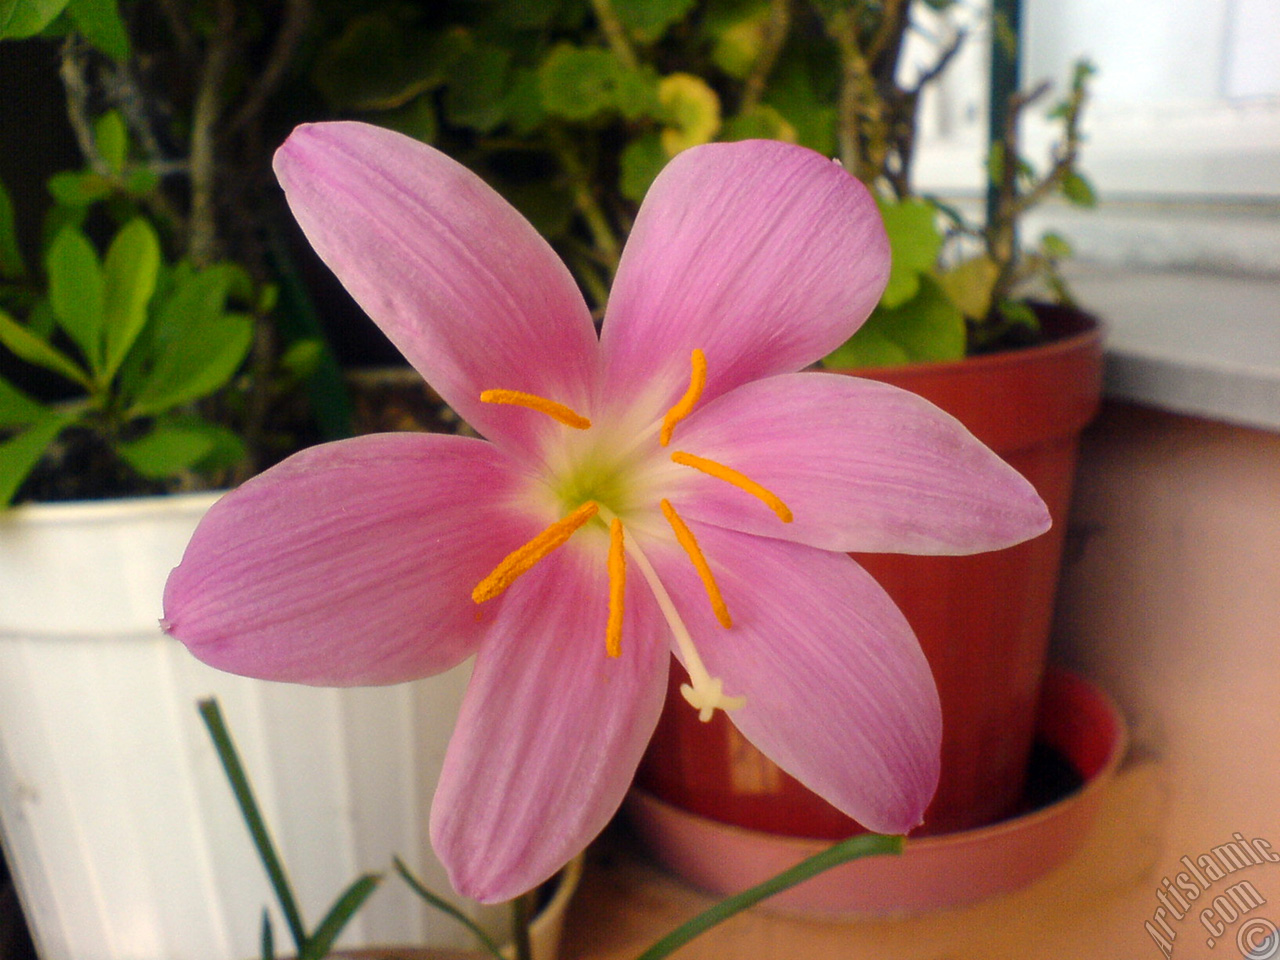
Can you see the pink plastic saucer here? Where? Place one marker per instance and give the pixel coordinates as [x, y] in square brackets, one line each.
[1077, 720]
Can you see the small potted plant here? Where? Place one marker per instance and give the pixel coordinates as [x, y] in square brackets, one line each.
[154, 350]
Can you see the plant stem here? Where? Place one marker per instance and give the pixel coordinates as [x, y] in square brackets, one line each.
[775, 35]
[202, 241]
[584, 200]
[615, 34]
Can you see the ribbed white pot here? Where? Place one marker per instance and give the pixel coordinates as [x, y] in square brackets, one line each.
[118, 824]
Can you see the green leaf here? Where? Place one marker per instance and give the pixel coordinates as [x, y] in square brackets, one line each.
[268, 936]
[761, 123]
[112, 140]
[642, 159]
[1020, 314]
[31, 348]
[351, 900]
[690, 112]
[416, 119]
[79, 188]
[862, 845]
[99, 21]
[16, 408]
[11, 265]
[477, 87]
[969, 285]
[211, 713]
[195, 347]
[444, 906]
[650, 19]
[580, 83]
[139, 181]
[381, 62]
[226, 449]
[129, 279]
[20, 454]
[76, 292]
[738, 45]
[804, 100]
[26, 18]
[914, 241]
[866, 348]
[165, 451]
[929, 327]
[1078, 191]
[1056, 246]
[523, 102]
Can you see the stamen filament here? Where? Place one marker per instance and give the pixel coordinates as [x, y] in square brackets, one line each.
[557, 411]
[684, 406]
[522, 560]
[704, 692]
[690, 543]
[739, 480]
[617, 589]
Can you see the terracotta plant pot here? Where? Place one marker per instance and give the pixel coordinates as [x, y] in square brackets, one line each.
[982, 620]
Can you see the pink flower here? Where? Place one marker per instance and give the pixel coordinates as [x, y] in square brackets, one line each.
[673, 485]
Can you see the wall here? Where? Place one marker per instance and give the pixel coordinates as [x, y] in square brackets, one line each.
[1171, 599]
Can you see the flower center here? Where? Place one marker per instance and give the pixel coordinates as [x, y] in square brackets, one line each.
[595, 490]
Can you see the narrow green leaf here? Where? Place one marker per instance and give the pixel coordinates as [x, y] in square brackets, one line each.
[11, 264]
[99, 21]
[268, 937]
[211, 713]
[20, 454]
[864, 845]
[129, 279]
[165, 451]
[112, 140]
[444, 906]
[75, 290]
[32, 349]
[339, 914]
[26, 18]
[16, 408]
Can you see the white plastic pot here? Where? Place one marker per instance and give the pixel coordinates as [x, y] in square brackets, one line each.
[118, 824]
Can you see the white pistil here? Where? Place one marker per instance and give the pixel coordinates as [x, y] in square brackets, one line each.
[704, 692]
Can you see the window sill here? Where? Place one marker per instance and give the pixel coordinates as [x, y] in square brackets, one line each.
[1191, 343]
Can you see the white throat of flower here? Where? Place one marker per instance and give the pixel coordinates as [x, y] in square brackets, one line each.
[704, 692]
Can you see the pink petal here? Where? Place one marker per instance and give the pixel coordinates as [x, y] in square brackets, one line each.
[350, 563]
[863, 466]
[838, 692]
[458, 280]
[551, 729]
[763, 254]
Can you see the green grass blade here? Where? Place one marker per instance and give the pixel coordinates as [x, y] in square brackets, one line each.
[863, 845]
[444, 906]
[352, 899]
[239, 781]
